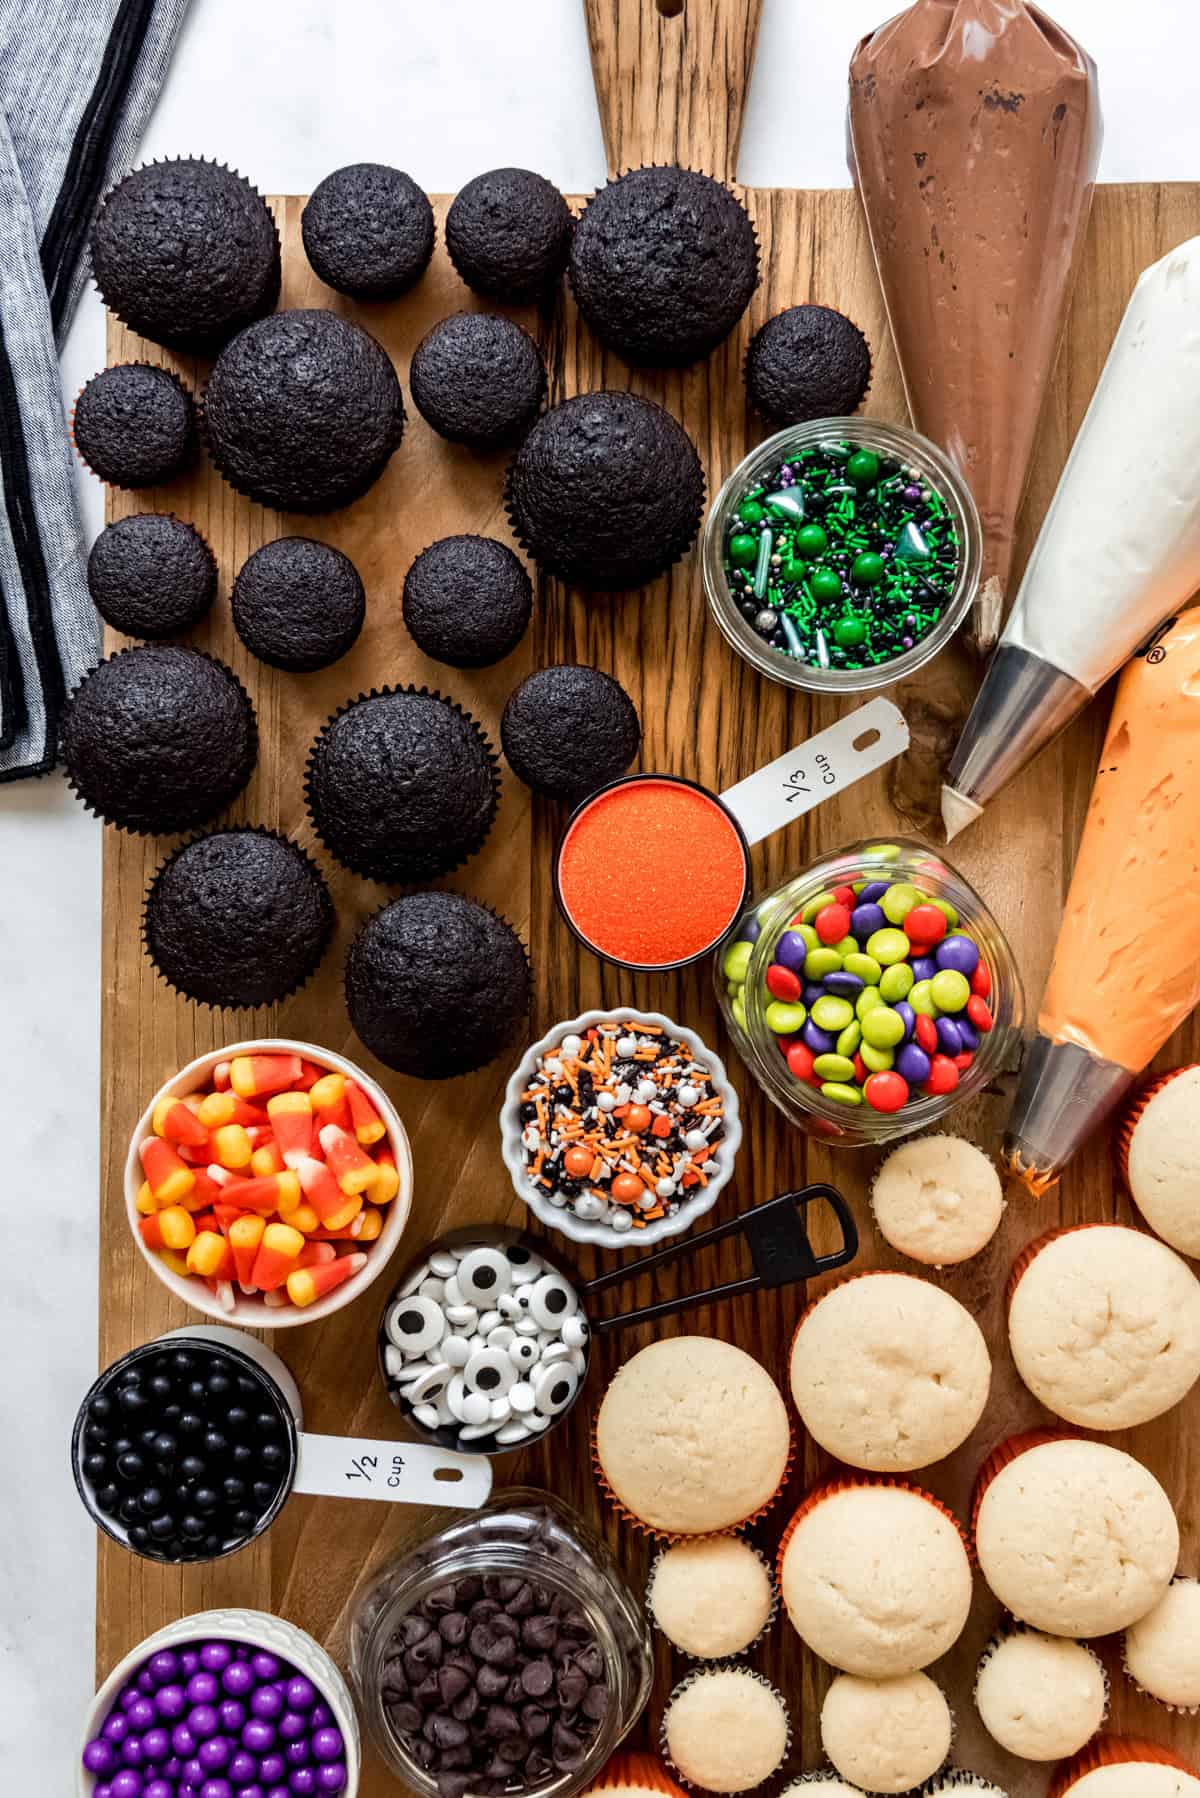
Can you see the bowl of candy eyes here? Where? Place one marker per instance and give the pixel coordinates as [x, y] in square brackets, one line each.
[268, 1183]
[620, 1128]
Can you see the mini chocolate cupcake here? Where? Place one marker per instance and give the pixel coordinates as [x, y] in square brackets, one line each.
[509, 234]
[436, 985]
[478, 379]
[402, 785]
[567, 730]
[663, 264]
[606, 491]
[807, 362]
[302, 411]
[186, 253]
[151, 576]
[368, 231]
[467, 601]
[134, 425]
[298, 604]
[159, 739]
[238, 917]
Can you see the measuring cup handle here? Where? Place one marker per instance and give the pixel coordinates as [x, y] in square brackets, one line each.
[848, 1248]
[402, 1473]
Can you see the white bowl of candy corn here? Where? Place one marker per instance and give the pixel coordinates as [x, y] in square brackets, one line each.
[267, 1184]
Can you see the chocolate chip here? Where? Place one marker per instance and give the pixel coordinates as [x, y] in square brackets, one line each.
[445, 1731]
[428, 1651]
[540, 1633]
[520, 1604]
[506, 1626]
[537, 1677]
[501, 1720]
[414, 1629]
[514, 1692]
[589, 1660]
[595, 1703]
[428, 1692]
[468, 1591]
[405, 1716]
[535, 1720]
[454, 1785]
[514, 1748]
[571, 1687]
[444, 1599]
[464, 1708]
[454, 1627]
[452, 1682]
[492, 1682]
[484, 1609]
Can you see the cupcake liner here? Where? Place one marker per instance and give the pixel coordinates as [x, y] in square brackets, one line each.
[690, 1679]
[1128, 1119]
[172, 635]
[783, 425]
[670, 1536]
[1112, 1751]
[634, 1769]
[171, 823]
[320, 946]
[194, 408]
[736, 1654]
[849, 1483]
[1005, 1453]
[958, 1779]
[1010, 1627]
[385, 873]
[1179, 1710]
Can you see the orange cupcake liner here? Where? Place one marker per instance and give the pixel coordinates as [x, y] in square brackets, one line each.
[1003, 1455]
[1113, 1751]
[635, 1769]
[660, 1535]
[849, 1483]
[1127, 1123]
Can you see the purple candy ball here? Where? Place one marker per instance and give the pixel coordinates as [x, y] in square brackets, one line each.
[949, 1040]
[303, 1782]
[296, 1754]
[232, 1714]
[320, 1716]
[170, 1701]
[923, 967]
[216, 1656]
[203, 1722]
[131, 1751]
[291, 1726]
[332, 1777]
[143, 1713]
[243, 1768]
[163, 1667]
[173, 1768]
[811, 992]
[188, 1790]
[156, 1745]
[272, 1767]
[259, 1735]
[189, 1660]
[301, 1693]
[913, 1064]
[116, 1728]
[214, 1755]
[251, 1791]
[818, 1040]
[958, 953]
[792, 951]
[102, 1791]
[327, 1745]
[268, 1703]
[145, 1681]
[238, 1679]
[100, 1757]
[128, 1698]
[907, 1016]
[216, 1788]
[968, 1036]
[194, 1772]
[266, 1666]
[159, 1788]
[279, 1791]
[202, 1688]
[749, 930]
[912, 495]
[127, 1784]
[843, 985]
[865, 920]
[873, 892]
[183, 1741]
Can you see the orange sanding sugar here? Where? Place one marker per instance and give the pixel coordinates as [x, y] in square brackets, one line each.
[652, 872]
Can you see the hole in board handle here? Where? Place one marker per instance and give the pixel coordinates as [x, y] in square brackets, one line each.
[449, 1476]
[866, 740]
[670, 9]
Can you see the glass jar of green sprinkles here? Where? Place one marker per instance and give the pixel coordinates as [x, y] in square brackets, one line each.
[920, 953]
[841, 555]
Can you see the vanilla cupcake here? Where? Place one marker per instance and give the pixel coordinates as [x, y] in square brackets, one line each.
[725, 1730]
[1158, 1154]
[938, 1200]
[634, 1776]
[1104, 1324]
[875, 1577]
[692, 1437]
[1074, 1537]
[1041, 1697]
[889, 1372]
[820, 1784]
[886, 1735]
[1162, 1650]
[1123, 1767]
[711, 1598]
[957, 1782]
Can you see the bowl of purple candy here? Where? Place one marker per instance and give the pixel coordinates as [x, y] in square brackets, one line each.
[224, 1704]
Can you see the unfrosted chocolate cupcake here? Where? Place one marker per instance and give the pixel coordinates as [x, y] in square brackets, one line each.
[478, 379]
[298, 604]
[186, 253]
[467, 601]
[509, 234]
[368, 231]
[567, 730]
[151, 576]
[807, 362]
[134, 425]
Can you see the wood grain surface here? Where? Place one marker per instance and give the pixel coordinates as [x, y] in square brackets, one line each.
[669, 87]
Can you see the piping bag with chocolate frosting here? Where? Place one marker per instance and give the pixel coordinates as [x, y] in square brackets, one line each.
[974, 132]
[1118, 552]
[1126, 968]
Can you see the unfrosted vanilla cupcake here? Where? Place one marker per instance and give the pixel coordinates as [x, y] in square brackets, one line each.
[1040, 1696]
[1123, 1767]
[711, 1598]
[1104, 1324]
[889, 1372]
[1074, 1537]
[1162, 1650]
[726, 1729]
[1158, 1154]
[886, 1735]
[875, 1577]
[938, 1200]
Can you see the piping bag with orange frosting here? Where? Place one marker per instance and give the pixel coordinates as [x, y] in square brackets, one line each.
[1126, 969]
[974, 133]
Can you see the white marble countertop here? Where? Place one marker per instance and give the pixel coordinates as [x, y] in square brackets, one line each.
[287, 90]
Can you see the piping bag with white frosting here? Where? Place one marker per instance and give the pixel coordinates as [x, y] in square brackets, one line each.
[1126, 968]
[1118, 552]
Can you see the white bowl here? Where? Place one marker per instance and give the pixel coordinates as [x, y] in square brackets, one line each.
[601, 1234]
[252, 1313]
[261, 1631]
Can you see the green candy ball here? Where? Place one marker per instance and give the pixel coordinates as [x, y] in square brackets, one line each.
[825, 584]
[750, 512]
[883, 1028]
[784, 1018]
[863, 468]
[833, 1067]
[867, 568]
[793, 572]
[921, 999]
[821, 962]
[867, 1000]
[811, 939]
[811, 541]
[851, 1036]
[841, 1093]
[950, 989]
[879, 1061]
[865, 966]
[897, 982]
[849, 632]
[898, 901]
[736, 960]
[887, 946]
[831, 1013]
[738, 1008]
[743, 550]
[815, 905]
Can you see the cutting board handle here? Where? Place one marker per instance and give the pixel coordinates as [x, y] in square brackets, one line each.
[671, 79]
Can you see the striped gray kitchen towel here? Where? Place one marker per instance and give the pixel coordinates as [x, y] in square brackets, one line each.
[78, 79]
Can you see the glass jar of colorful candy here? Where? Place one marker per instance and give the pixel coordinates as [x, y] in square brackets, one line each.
[871, 994]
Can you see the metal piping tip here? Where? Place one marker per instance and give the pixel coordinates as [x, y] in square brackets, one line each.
[958, 812]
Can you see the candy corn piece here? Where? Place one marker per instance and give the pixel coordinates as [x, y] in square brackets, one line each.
[303, 1218]
[276, 1192]
[174, 1120]
[348, 1161]
[291, 1117]
[224, 1294]
[220, 1076]
[171, 1228]
[204, 1220]
[267, 1160]
[204, 1192]
[332, 1206]
[277, 1299]
[350, 1232]
[254, 1076]
[329, 1102]
[210, 1256]
[175, 1261]
[369, 1127]
[276, 1256]
[386, 1183]
[170, 1179]
[372, 1224]
[226, 1108]
[245, 1236]
[310, 1074]
[146, 1202]
[197, 1154]
[226, 1215]
[232, 1146]
[314, 1254]
[223, 1178]
[310, 1283]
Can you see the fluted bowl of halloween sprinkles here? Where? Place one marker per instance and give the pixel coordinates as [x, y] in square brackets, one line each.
[841, 555]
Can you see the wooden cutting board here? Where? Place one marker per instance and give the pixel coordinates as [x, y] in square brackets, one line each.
[670, 88]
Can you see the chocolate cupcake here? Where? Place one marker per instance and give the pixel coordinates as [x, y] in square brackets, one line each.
[478, 379]
[807, 362]
[302, 411]
[567, 730]
[436, 985]
[186, 253]
[663, 264]
[151, 576]
[606, 491]
[467, 601]
[368, 231]
[509, 234]
[134, 425]
[238, 917]
[159, 739]
[402, 785]
[298, 604]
